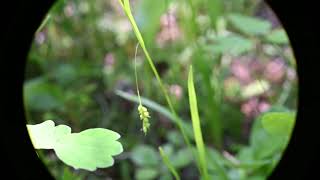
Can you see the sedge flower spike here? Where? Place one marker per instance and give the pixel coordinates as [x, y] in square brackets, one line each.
[144, 116]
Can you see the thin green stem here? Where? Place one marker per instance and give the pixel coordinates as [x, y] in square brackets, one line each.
[44, 22]
[136, 74]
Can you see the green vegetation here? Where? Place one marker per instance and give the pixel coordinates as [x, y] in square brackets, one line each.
[215, 90]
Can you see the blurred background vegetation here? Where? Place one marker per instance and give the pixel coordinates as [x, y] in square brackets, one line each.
[80, 73]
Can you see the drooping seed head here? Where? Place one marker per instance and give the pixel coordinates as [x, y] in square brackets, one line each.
[144, 116]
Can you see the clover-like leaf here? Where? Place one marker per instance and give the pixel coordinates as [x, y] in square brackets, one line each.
[45, 135]
[271, 133]
[89, 149]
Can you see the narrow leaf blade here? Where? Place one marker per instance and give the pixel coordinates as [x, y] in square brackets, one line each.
[196, 125]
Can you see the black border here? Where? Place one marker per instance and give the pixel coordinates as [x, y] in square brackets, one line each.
[299, 18]
[20, 20]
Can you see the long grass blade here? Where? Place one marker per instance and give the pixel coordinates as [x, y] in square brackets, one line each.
[196, 126]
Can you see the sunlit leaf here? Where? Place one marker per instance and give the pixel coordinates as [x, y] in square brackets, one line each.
[89, 149]
[268, 137]
[196, 125]
[45, 135]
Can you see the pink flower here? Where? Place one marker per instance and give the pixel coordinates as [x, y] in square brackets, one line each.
[170, 30]
[249, 108]
[241, 71]
[176, 90]
[254, 107]
[263, 106]
[275, 71]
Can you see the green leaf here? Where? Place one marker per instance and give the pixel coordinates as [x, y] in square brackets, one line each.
[166, 176]
[182, 158]
[46, 135]
[247, 159]
[168, 148]
[245, 154]
[175, 138]
[41, 95]
[89, 149]
[278, 36]
[215, 159]
[197, 126]
[278, 123]
[215, 10]
[231, 44]
[65, 74]
[236, 174]
[264, 145]
[249, 25]
[146, 174]
[269, 138]
[144, 155]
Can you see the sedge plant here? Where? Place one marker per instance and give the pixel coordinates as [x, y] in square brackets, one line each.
[145, 115]
[126, 7]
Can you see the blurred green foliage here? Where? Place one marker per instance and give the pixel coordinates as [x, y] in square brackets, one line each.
[80, 73]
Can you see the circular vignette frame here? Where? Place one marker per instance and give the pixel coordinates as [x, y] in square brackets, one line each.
[22, 18]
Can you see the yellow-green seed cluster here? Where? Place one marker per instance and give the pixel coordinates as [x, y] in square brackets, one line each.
[144, 116]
